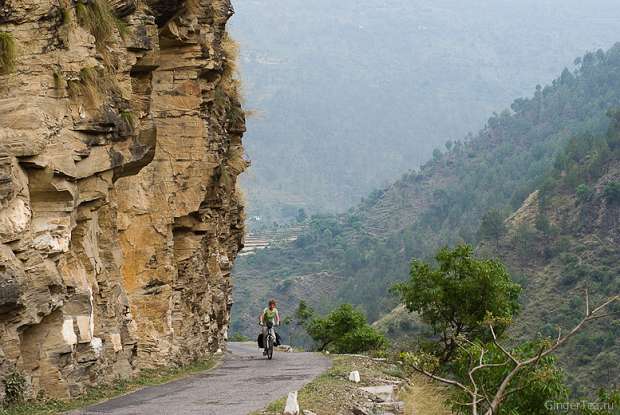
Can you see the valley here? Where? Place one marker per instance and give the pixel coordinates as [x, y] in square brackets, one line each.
[530, 166]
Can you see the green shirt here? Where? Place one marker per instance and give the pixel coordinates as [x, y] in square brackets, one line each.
[270, 315]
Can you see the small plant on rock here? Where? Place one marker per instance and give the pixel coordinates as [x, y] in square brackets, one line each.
[8, 52]
[98, 18]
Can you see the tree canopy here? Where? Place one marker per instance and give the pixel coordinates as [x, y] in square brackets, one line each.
[458, 295]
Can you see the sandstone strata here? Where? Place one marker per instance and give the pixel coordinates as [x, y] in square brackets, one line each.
[119, 214]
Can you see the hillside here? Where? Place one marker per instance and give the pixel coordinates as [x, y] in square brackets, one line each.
[356, 256]
[565, 239]
[363, 90]
[561, 241]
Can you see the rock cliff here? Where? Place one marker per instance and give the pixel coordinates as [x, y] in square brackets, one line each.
[120, 146]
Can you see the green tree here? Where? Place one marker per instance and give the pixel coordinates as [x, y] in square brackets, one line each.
[459, 295]
[608, 404]
[493, 379]
[584, 193]
[301, 215]
[536, 384]
[492, 226]
[542, 224]
[612, 192]
[303, 314]
[345, 330]
[523, 240]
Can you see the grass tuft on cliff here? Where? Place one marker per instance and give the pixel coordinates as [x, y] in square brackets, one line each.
[8, 53]
[94, 84]
[228, 92]
[98, 18]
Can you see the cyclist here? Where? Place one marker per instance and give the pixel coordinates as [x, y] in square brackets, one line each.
[269, 315]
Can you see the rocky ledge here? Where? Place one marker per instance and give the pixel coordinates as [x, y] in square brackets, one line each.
[120, 146]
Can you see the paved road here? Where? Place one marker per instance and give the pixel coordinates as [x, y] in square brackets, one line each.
[244, 382]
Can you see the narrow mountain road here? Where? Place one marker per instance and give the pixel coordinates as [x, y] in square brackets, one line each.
[244, 382]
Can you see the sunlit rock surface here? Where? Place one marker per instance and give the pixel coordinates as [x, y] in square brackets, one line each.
[119, 212]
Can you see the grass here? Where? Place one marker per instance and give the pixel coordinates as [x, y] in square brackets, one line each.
[97, 17]
[425, 397]
[59, 80]
[227, 94]
[230, 48]
[94, 84]
[192, 6]
[119, 387]
[128, 116]
[277, 406]
[8, 53]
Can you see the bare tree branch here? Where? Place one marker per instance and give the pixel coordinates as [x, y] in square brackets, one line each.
[503, 391]
[502, 348]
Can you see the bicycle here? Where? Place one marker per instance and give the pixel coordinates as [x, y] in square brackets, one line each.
[269, 340]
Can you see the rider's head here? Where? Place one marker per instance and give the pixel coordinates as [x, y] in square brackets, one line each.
[272, 304]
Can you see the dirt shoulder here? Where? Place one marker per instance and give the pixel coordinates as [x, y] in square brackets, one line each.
[332, 393]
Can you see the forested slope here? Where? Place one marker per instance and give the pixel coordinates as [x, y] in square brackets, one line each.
[356, 256]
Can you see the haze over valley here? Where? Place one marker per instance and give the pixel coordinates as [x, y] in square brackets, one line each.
[350, 95]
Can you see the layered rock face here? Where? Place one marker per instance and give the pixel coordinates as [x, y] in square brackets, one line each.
[120, 145]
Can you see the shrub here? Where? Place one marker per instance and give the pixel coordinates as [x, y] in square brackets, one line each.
[345, 330]
[534, 386]
[8, 52]
[612, 192]
[14, 388]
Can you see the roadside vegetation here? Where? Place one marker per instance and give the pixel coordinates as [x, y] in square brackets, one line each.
[344, 330]
[14, 389]
[333, 392]
[468, 304]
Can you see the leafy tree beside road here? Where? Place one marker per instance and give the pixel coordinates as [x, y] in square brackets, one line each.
[345, 330]
[459, 295]
[470, 302]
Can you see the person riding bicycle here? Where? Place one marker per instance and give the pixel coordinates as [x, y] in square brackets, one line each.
[269, 315]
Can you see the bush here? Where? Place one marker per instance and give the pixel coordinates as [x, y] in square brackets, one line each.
[8, 53]
[14, 388]
[612, 192]
[345, 330]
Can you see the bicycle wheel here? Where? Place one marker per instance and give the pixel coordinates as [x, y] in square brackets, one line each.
[269, 347]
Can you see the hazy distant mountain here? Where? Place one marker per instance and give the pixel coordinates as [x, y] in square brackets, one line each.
[353, 93]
